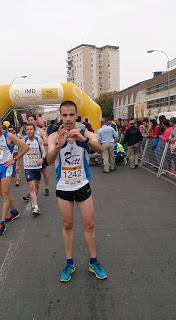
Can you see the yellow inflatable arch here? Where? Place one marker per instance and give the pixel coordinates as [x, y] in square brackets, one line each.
[20, 95]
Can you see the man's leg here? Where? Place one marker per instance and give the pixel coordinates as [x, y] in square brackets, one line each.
[13, 214]
[31, 188]
[46, 180]
[136, 153]
[5, 192]
[18, 172]
[66, 211]
[37, 186]
[87, 213]
[111, 156]
[105, 156]
[131, 156]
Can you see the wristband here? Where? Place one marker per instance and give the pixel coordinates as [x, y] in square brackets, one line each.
[86, 141]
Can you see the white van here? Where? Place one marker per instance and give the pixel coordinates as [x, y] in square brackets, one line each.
[168, 115]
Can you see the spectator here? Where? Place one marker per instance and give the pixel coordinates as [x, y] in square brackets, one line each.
[154, 130]
[79, 124]
[88, 125]
[161, 124]
[167, 131]
[107, 136]
[132, 138]
[51, 128]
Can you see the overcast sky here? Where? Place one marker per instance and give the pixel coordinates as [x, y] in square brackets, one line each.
[36, 34]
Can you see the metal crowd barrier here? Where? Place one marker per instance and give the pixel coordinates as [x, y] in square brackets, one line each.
[161, 158]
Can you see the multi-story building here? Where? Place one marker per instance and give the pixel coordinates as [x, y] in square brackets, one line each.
[147, 98]
[94, 70]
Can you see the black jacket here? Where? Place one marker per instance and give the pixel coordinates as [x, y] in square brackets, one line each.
[132, 136]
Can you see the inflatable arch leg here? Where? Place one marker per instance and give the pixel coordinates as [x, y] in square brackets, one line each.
[20, 95]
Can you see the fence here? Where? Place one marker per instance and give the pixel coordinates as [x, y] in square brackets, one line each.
[160, 157]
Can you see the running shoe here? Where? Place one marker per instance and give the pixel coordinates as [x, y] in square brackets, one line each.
[36, 211]
[2, 228]
[27, 198]
[98, 270]
[66, 274]
[12, 215]
[47, 193]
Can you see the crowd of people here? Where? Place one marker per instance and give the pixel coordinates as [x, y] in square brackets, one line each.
[72, 145]
[126, 140]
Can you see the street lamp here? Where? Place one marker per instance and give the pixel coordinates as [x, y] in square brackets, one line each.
[18, 78]
[168, 79]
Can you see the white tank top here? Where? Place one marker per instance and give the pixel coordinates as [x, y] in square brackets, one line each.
[72, 169]
[38, 133]
[33, 155]
[5, 153]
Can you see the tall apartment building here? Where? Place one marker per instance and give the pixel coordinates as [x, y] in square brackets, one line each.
[94, 70]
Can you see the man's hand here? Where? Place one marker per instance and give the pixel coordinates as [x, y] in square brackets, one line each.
[62, 136]
[39, 162]
[75, 134]
[9, 163]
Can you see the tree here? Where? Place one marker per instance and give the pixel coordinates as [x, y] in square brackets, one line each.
[105, 101]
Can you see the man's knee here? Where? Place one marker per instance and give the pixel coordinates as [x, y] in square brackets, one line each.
[89, 226]
[5, 194]
[68, 225]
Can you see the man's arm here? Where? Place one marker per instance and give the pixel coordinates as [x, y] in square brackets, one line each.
[93, 141]
[42, 148]
[53, 148]
[23, 148]
[115, 135]
[44, 137]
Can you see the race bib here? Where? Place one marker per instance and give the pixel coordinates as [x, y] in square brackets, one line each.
[32, 159]
[1, 153]
[72, 175]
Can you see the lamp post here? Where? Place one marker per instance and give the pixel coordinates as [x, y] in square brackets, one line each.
[168, 79]
[18, 78]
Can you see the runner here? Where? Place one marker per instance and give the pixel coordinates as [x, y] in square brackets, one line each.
[69, 148]
[7, 142]
[40, 133]
[33, 165]
[17, 165]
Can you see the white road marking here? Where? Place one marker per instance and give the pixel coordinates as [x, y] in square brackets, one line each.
[12, 250]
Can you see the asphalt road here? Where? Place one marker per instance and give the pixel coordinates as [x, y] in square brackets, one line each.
[136, 239]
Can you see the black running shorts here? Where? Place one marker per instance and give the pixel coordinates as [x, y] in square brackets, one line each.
[45, 164]
[32, 174]
[79, 195]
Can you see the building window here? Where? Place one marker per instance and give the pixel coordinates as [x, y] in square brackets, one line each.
[161, 102]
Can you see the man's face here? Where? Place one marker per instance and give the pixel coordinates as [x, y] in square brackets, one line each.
[30, 131]
[31, 120]
[68, 117]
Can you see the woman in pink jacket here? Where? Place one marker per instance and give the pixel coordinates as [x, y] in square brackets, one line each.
[168, 129]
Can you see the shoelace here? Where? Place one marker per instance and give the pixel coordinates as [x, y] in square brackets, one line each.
[68, 266]
[98, 265]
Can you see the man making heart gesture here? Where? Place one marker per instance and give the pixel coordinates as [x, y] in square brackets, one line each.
[69, 148]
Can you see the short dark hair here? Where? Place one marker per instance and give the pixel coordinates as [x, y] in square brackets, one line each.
[68, 103]
[29, 125]
[32, 116]
[166, 123]
[173, 120]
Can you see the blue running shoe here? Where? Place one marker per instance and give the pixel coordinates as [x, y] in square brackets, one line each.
[66, 274]
[98, 270]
